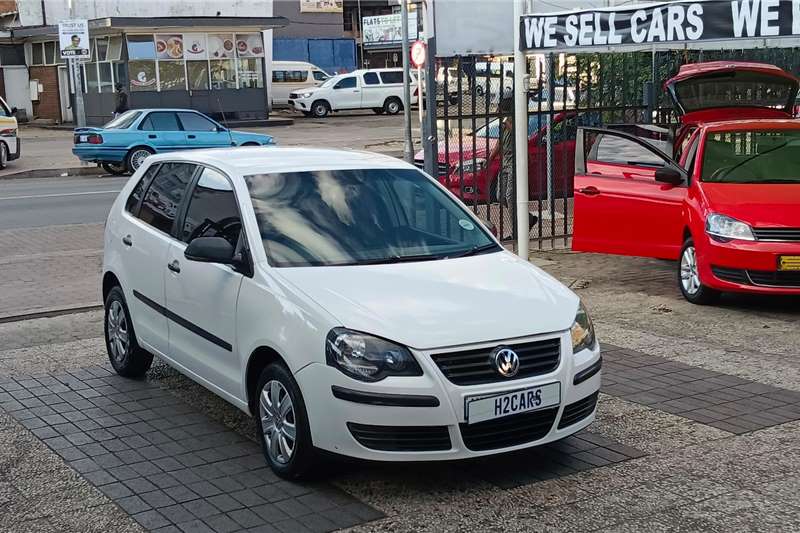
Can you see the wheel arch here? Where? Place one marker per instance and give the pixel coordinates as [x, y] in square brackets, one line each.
[110, 280]
[259, 359]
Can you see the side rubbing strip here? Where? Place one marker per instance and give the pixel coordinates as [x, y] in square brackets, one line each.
[210, 337]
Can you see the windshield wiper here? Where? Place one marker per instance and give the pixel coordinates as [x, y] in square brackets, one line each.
[392, 259]
[475, 250]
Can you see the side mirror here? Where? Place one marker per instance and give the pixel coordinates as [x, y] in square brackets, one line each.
[670, 176]
[210, 250]
[220, 129]
[14, 110]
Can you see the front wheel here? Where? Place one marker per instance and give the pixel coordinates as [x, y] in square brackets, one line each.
[282, 424]
[320, 109]
[689, 281]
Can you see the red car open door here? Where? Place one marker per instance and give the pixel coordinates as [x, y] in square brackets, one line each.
[621, 206]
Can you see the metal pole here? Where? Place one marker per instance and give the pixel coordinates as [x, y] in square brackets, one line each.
[521, 133]
[360, 27]
[408, 145]
[78, 111]
[429, 130]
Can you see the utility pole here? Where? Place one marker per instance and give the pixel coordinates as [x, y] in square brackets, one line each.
[408, 145]
[429, 133]
[78, 110]
[521, 134]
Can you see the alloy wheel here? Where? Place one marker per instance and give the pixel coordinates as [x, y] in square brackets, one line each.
[278, 421]
[690, 279]
[117, 328]
[138, 158]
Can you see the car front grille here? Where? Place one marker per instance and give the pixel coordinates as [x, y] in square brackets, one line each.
[294, 95]
[762, 278]
[777, 234]
[401, 438]
[443, 168]
[508, 431]
[473, 367]
[577, 411]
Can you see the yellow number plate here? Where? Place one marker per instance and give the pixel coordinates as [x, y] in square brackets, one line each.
[789, 262]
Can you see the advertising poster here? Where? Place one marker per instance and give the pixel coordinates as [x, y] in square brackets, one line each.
[73, 39]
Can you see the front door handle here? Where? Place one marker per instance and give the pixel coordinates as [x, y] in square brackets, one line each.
[127, 241]
[192, 136]
[175, 266]
[589, 191]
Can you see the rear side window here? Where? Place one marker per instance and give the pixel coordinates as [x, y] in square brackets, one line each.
[160, 122]
[371, 78]
[212, 210]
[392, 76]
[164, 196]
[195, 122]
[295, 76]
[132, 204]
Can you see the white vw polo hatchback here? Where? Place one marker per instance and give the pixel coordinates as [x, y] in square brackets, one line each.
[348, 302]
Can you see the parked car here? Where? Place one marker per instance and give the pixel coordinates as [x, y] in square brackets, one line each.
[123, 144]
[10, 146]
[468, 158]
[379, 89]
[294, 76]
[725, 204]
[342, 298]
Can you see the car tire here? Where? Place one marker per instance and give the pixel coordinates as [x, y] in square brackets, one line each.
[136, 157]
[3, 155]
[115, 169]
[320, 109]
[126, 356]
[392, 106]
[689, 281]
[378, 110]
[288, 458]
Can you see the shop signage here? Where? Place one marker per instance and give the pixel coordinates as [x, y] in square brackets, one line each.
[670, 22]
[387, 30]
[73, 39]
[321, 6]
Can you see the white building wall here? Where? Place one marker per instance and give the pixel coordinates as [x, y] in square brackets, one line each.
[30, 11]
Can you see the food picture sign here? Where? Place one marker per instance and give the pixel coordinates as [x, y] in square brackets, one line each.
[249, 45]
[195, 46]
[221, 46]
[73, 39]
[669, 22]
[169, 46]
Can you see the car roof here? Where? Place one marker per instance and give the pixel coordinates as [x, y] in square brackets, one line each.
[245, 161]
[168, 109]
[294, 63]
[746, 124]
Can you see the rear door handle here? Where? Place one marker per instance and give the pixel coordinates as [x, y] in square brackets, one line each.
[152, 136]
[127, 241]
[175, 266]
[589, 191]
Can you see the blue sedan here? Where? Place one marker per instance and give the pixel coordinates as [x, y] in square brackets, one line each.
[124, 143]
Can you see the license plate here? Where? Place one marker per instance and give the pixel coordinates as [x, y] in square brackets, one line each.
[789, 262]
[488, 407]
[83, 138]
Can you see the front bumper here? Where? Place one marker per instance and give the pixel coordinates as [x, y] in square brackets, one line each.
[300, 104]
[98, 153]
[335, 421]
[748, 266]
[14, 147]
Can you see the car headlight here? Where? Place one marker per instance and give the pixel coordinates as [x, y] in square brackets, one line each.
[471, 166]
[582, 331]
[306, 95]
[368, 358]
[725, 228]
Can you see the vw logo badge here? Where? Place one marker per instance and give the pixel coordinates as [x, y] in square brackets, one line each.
[506, 362]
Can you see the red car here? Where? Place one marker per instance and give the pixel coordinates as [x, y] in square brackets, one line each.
[725, 203]
[480, 176]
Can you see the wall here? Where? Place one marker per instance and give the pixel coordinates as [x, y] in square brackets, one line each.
[30, 11]
[48, 106]
[315, 25]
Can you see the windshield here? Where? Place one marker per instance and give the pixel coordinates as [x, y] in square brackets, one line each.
[331, 81]
[367, 216]
[123, 121]
[756, 156]
[492, 130]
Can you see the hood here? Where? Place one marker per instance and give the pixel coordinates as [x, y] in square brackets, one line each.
[768, 205]
[433, 304]
[728, 85]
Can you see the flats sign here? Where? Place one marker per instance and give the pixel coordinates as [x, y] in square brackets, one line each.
[670, 22]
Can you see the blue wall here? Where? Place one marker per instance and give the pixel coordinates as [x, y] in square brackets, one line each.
[331, 55]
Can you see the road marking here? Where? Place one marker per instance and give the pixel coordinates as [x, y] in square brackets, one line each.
[32, 196]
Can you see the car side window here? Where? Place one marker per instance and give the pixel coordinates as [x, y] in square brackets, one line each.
[320, 76]
[195, 122]
[346, 83]
[160, 121]
[164, 196]
[371, 78]
[212, 211]
[132, 203]
[619, 150]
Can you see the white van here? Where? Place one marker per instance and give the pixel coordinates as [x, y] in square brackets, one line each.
[378, 89]
[289, 76]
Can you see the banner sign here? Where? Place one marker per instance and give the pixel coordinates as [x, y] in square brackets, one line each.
[73, 39]
[386, 30]
[670, 22]
[321, 6]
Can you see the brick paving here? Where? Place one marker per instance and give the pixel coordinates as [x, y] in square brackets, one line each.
[729, 403]
[168, 466]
